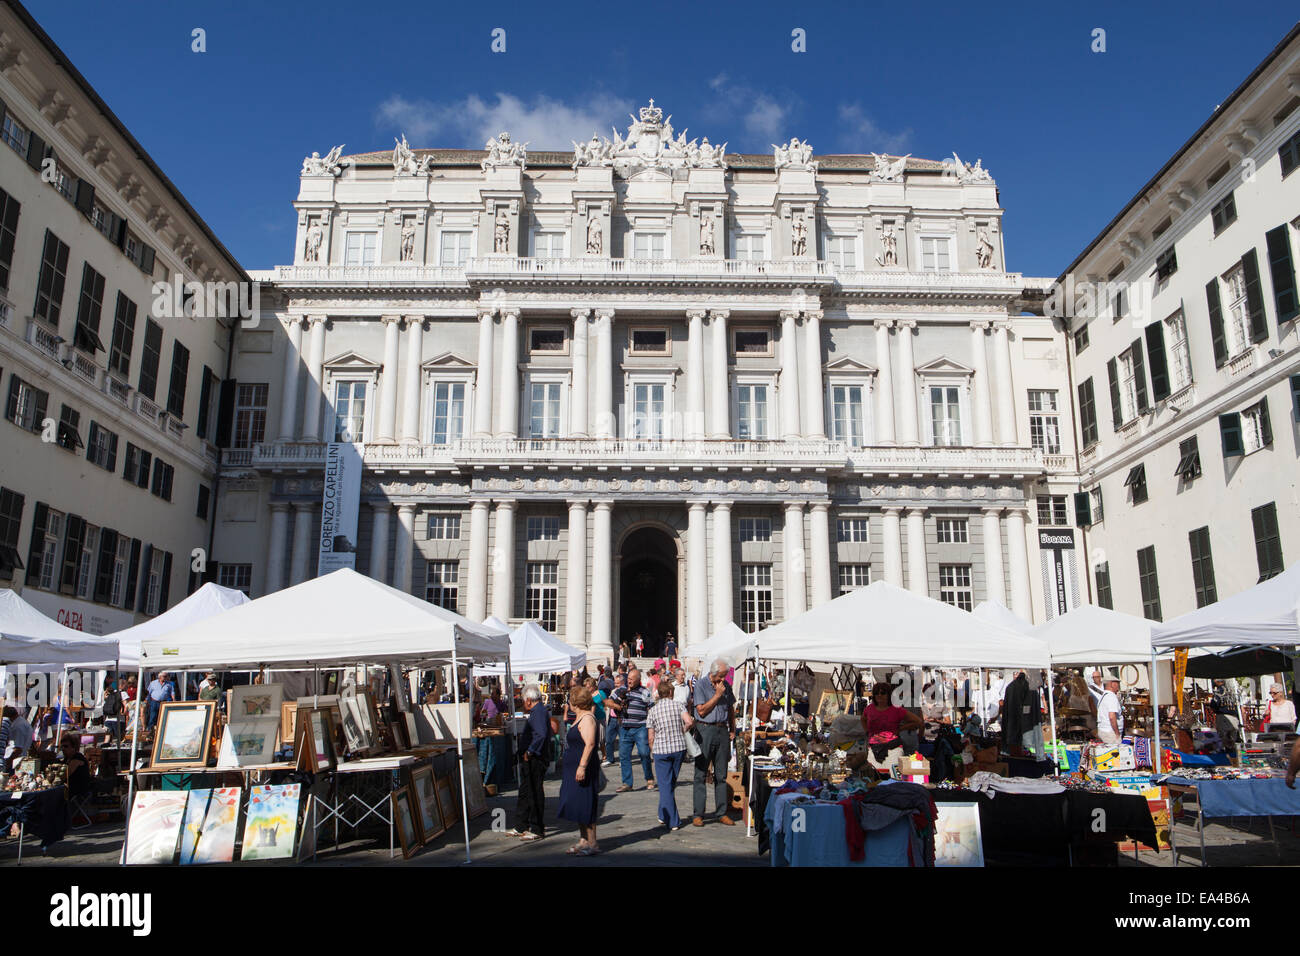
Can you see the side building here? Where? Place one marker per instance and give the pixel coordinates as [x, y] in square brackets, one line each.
[651, 386]
[110, 387]
[1185, 362]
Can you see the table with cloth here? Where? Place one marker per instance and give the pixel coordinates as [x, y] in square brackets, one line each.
[496, 759]
[43, 812]
[1242, 797]
[806, 832]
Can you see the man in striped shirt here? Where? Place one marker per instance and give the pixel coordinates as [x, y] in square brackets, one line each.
[634, 703]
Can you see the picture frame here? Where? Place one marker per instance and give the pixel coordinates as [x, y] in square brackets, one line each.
[475, 794]
[833, 703]
[304, 747]
[958, 841]
[184, 733]
[155, 826]
[447, 804]
[404, 821]
[250, 741]
[288, 721]
[210, 826]
[353, 725]
[271, 823]
[256, 700]
[424, 795]
[324, 728]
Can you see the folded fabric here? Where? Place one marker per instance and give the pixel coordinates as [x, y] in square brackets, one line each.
[992, 784]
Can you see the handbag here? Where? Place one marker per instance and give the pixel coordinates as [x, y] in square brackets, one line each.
[693, 746]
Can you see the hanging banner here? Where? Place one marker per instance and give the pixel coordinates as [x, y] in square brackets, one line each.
[340, 503]
[1180, 674]
[1060, 573]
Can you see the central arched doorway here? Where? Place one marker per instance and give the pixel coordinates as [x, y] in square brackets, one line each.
[647, 589]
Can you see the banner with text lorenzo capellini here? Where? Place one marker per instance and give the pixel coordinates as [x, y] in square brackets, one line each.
[340, 503]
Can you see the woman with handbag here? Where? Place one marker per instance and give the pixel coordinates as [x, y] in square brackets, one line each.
[580, 780]
[669, 727]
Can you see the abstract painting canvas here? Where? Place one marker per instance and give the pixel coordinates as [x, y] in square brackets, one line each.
[210, 827]
[271, 825]
[155, 826]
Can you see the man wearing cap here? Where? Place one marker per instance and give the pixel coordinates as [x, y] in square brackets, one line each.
[1110, 717]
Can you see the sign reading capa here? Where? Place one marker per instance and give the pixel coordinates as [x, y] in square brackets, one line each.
[77, 910]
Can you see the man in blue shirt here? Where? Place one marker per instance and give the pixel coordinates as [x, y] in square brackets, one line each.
[160, 689]
[534, 756]
[715, 719]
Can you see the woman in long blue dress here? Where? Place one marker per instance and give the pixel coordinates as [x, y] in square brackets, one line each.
[580, 781]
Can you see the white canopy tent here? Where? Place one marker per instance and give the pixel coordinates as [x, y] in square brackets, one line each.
[884, 624]
[730, 644]
[207, 601]
[533, 650]
[1096, 635]
[339, 618]
[29, 637]
[995, 612]
[1268, 613]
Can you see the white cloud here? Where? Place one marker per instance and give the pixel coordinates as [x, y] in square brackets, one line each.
[765, 118]
[859, 133]
[542, 122]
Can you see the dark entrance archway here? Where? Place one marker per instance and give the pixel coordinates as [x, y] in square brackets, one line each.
[647, 589]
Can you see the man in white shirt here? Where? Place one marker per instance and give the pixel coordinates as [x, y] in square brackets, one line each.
[681, 689]
[1110, 718]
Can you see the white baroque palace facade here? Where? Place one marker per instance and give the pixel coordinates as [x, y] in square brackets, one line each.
[651, 386]
[108, 450]
[1186, 371]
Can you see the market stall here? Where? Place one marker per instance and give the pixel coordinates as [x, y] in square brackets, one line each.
[339, 619]
[730, 644]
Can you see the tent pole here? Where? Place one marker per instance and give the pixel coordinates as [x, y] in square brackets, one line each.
[753, 739]
[135, 744]
[62, 711]
[1155, 711]
[460, 750]
[1051, 708]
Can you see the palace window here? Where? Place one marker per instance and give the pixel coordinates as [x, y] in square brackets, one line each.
[544, 409]
[953, 530]
[1223, 213]
[154, 588]
[649, 411]
[448, 412]
[1202, 567]
[121, 564]
[26, 405]
[138, 463]
[849, 413]
[236, 576]
[149, 359]
[750, 245]
[854, 576]
[1257, 430]
[649, 245]
[1080, 339]
[751, 412]
[9, 210]
[543, 528]
[11, 519]
[443, 527]
[1136, 482]
[86, 563]
[50, 536]
[441, 583]
[350, 410]
[649, 341]
[755, 529]
[69, 429]
[936, 253]
[955, 586]
[1044, 421]
[1052, 511]
[1238, 306]
[547, 340]
[945, 415]
[755, 596]
[853, 530]
[119, 357]
[361, 249]
[1176, 335]
[15, 134]
[179, 377]
[1189, 459]
[454, 248]
[250, 415]
[548, 245]
[757, 342]
[163, 475]
[102, 447]
[842, 251]
[542, 593]
[89, 309]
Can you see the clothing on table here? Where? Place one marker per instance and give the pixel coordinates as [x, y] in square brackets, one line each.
[579, 801]
[715, 752]
[668, 767]
[985, 782]
[884, 806]
[665, 721]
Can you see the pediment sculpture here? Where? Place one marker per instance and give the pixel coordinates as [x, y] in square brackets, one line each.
[503, 151]
[650, 144]
[328, 165]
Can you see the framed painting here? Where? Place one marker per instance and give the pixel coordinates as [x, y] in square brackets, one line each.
[447, 803]
[184, 731]
[271, 824]
[376, 729]
[353, 725]
[957, 838]
[404, 820]
[256, 700]
[155, 826]
[833, 704]
[475, 795]
[425, 800]
[210, 827]
[304, 747]
[288, 718]
[324, 733]
[250, 741]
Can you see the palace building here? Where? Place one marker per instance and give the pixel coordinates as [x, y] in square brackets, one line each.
[652, 386]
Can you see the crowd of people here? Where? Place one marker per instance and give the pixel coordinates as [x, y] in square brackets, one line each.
[666, 721]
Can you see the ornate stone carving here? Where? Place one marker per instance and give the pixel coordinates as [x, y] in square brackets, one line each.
[965, 172]
[888, 255]
[984, 250]
[329, 165]
[707, 246]
[404, 161]
[502, 151]
[799, 236]
[649, 145]
[886, 171]
[408, 240]
[315, 239]
[501, 232]
[595, 236]
[794, 155]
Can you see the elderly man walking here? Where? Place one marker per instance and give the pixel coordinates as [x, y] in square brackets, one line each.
[634, 703]
[534, 757]
[715, 719]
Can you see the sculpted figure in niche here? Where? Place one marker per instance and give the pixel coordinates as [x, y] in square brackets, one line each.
[984, 251]
[408, 240]
[707, 247]
[501, 233]
[594, 244]
[315, 238]
[888, 249]
[799, 236]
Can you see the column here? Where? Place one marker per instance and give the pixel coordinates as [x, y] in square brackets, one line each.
[388, 381]
[411, 394]
[604, 423]
[275, 556]
[311, 411]
[983, 397]
[578, 399]
[697, 575]
[1018, 564]
[796, 601]
[483, 380]
[300, 560]
[602, 588]
[790, 426]
[503, 562]
[404, 553]
[694, 418]
[820, 557]
[917, 576]
[907, 421]
[290, 382]
[575, 604]
[884, 385]
[892, 540]
[995, 578]
[813, 390]
[508, 385]
[723, 587]
[719, 387]
[379, 541]
[476, 606]
[1006, 395]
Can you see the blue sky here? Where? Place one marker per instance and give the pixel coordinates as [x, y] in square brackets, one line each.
[1068, 134]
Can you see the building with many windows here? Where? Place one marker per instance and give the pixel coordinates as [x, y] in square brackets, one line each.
[1185, 362]
[651, 386]
[108, 448]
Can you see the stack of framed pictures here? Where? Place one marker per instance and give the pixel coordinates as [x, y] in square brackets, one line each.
[424, 809]
[253, 732]
[201, 826]
[183, 738]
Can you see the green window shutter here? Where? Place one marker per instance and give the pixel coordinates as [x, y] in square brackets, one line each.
[1230, 433]
[1116, 412]
[1254, 297]
[1159, 364]
[1218, 334]
[1282, 269]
